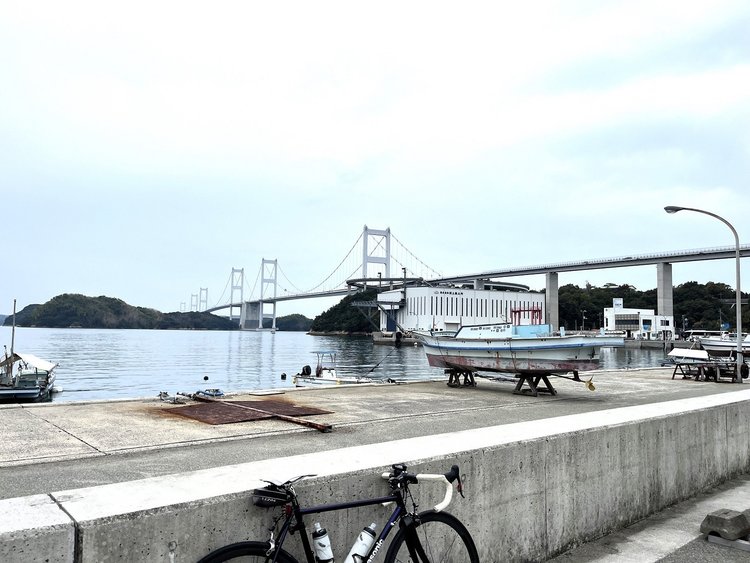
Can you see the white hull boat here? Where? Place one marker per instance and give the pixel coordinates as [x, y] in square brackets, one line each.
[325, 373]
[520, 349]
[308, 381]
[724, 345]
[33, 381]
[24, 377]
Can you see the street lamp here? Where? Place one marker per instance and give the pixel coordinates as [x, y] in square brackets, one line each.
[675, 209]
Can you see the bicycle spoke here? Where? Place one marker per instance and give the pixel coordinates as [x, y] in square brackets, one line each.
[440, 539]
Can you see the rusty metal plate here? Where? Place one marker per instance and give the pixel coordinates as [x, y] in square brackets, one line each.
[228, 412]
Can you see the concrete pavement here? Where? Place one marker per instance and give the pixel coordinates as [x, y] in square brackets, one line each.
[672, 535]
[61, 446]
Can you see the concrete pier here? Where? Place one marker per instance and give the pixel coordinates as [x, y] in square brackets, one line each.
[130, 481]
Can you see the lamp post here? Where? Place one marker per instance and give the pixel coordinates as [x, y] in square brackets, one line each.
[675, 209]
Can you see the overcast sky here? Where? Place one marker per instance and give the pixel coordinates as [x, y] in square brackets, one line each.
[147, 148]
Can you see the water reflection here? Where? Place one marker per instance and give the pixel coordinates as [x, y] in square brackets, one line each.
[107, 364]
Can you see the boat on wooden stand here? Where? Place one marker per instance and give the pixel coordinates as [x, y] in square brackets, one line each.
[530, 352]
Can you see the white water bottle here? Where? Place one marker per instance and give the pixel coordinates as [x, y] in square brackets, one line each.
[322, 544]
[362, 546]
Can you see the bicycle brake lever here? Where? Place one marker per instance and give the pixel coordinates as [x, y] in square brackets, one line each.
[460, 487]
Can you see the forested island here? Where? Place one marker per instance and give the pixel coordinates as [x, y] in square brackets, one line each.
[71, 310]
[696, 306]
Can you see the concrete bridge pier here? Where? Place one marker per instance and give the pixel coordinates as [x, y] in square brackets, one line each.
[252, 316]
[664, 298]
[552, 310]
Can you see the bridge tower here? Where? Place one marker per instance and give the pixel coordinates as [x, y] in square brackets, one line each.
[268, 281]
[382, 241]
[193, 302]
[238, 284]
[253, 312]
[203, 299]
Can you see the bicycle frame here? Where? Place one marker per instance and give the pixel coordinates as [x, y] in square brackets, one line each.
[294, 521]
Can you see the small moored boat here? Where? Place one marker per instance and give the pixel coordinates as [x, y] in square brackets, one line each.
[24, 377]
[325, 373]
[724, 345]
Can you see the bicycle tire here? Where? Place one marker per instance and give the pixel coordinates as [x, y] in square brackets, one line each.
[442, 537]
[247, 551]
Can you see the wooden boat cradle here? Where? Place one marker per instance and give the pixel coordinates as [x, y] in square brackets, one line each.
[532, 381]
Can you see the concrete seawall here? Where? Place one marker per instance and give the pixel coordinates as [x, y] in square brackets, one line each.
[534, 488]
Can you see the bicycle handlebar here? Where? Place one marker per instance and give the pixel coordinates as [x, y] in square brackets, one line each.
[399, 474]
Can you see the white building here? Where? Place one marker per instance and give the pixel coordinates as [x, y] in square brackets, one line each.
[641, 324]
[449, 308]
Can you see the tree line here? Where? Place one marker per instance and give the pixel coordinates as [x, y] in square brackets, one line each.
[696, 306]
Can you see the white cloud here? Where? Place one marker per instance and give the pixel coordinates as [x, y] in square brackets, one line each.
[511, 133]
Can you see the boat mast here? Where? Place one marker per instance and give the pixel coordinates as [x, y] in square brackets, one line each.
[13, 331]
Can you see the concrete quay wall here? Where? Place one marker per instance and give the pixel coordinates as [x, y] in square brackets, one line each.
[533, 489]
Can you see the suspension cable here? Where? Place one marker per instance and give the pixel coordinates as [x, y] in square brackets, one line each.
[337, 267]
[223, 292]
[252, 291]
[298, 290]
[437, 274]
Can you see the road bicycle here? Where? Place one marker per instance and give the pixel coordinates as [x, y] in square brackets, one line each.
[431, 536]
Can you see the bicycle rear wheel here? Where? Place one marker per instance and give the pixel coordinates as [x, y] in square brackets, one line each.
[246, 552]
[438, 538]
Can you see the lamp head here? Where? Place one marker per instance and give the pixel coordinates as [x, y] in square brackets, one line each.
[673, 209]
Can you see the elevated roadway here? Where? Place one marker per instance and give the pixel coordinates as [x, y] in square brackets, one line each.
[717, 253]
[663, 261]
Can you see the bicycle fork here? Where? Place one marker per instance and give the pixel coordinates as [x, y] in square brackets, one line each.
[384, 533]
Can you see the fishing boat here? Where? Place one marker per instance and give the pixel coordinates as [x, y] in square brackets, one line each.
[24, 377]
[325, 373]
[686, 356]
[724, 345]
[519, 349]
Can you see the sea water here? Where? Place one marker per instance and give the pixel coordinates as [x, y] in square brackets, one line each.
[111, 364]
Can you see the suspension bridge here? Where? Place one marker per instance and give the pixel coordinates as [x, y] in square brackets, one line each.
[370, 260]
[377, 253]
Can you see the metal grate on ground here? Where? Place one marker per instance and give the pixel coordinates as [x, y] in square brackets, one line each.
[228, 412]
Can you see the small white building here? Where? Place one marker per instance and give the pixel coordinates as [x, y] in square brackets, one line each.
[451, 307]
[640, 324]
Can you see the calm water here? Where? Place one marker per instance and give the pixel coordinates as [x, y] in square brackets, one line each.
[107, 364]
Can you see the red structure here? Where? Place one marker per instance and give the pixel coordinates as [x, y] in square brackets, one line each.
[535, 315]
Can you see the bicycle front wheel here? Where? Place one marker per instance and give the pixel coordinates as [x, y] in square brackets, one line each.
[438, 538]
[246, 552]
